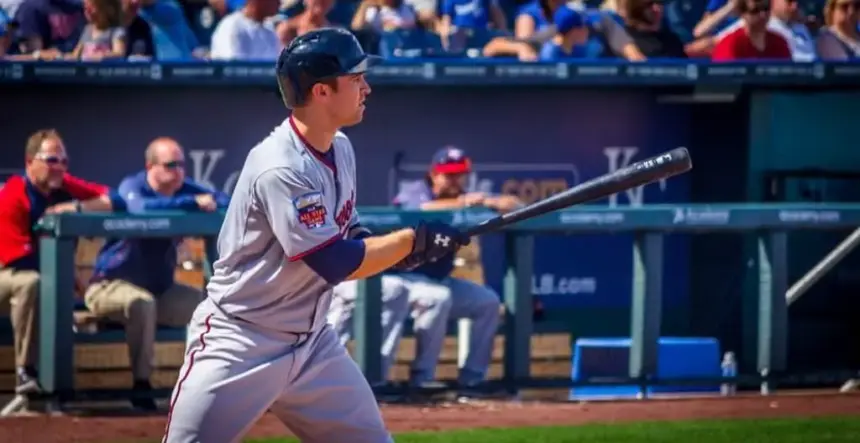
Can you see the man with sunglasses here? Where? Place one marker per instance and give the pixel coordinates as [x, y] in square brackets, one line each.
[752, 40]
[133, 279]
[45, 187]
[786, 21]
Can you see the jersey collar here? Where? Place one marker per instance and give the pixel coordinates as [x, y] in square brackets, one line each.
[317, 154]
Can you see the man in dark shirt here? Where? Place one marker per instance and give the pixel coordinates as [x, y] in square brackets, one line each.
[49, 28]
[45, 187]
[644, 23]
[133, 280]
[140, 44]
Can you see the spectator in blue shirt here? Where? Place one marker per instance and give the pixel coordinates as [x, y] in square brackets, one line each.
[461, 17]
[534, 16]
[605, 37]
[6, 32]
[572, 39]
[133, 279]
[171, 31]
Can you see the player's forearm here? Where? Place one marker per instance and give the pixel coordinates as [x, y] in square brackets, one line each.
[504, 203]
[383, 252]
[102, 203]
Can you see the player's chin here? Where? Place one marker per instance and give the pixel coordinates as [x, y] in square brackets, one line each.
[357, 117]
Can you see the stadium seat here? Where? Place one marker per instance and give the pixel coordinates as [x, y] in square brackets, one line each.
[410, 44]
[687, 357]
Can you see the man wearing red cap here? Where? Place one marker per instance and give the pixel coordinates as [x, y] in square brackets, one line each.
[430, 293]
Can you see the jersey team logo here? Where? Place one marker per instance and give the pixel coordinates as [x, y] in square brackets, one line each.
[310, 210]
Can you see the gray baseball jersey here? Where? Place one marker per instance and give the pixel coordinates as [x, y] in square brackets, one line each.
[289, 201]
[279, 356]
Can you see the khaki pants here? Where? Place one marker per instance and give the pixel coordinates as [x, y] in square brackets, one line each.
[19, 295]
[141, 312]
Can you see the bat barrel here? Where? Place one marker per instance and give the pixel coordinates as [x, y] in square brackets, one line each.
[660, 167]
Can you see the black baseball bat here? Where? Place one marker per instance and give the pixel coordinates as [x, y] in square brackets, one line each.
[668, 164]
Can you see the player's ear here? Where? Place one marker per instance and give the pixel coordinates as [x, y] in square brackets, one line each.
[321, 90]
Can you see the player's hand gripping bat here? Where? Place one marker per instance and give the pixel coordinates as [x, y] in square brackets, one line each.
[641, 173]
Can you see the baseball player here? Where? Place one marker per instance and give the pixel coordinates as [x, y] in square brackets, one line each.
[260, 340]
[430, 292]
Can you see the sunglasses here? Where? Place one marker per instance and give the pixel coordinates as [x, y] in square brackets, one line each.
[176, 164]
[845, 6]
[758, 8]
[53, 160]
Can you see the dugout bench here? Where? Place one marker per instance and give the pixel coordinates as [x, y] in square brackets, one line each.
[768, 225]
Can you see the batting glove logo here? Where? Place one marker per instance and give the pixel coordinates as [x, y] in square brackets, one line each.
[442, 240]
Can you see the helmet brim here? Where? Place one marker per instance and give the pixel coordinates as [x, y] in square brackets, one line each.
[366, 63]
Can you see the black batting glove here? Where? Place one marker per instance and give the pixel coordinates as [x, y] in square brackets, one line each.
[433, 240]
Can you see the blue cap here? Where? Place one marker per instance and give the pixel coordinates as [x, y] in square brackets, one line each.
[567, 18]
[450, 160]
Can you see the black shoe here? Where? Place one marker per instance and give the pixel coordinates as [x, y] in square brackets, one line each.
[143, 403]
[28, 382]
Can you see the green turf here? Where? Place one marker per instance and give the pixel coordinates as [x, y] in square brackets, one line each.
[824, 430]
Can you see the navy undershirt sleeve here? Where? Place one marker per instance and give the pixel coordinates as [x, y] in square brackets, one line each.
[337, 261]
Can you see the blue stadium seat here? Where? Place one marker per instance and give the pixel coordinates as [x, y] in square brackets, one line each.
[410, 44]
[687, 357]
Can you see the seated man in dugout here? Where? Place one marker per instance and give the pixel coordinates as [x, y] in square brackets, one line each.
[45, 188]
[133, 278]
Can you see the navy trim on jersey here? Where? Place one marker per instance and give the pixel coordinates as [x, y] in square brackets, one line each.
[314, 151]
[335, 262]
[316, 248]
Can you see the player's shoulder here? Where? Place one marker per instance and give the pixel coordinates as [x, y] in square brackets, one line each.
[138, 177]
[343, 145]
[342, 139]
[280, 153]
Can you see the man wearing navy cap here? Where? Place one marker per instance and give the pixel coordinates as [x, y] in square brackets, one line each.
[430, 292]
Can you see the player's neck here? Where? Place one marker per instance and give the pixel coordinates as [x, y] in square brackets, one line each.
[313, 131]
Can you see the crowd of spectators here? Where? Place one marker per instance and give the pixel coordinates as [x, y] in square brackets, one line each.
[256, 30]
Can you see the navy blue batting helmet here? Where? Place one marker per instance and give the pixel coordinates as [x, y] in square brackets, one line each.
[316, 56]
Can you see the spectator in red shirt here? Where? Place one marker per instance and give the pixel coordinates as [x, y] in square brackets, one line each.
[45, 187]
[752, 40]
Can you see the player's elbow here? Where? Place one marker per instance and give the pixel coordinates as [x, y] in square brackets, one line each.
[337, 261]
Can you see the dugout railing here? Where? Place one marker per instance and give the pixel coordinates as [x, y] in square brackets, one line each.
[766, 224]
